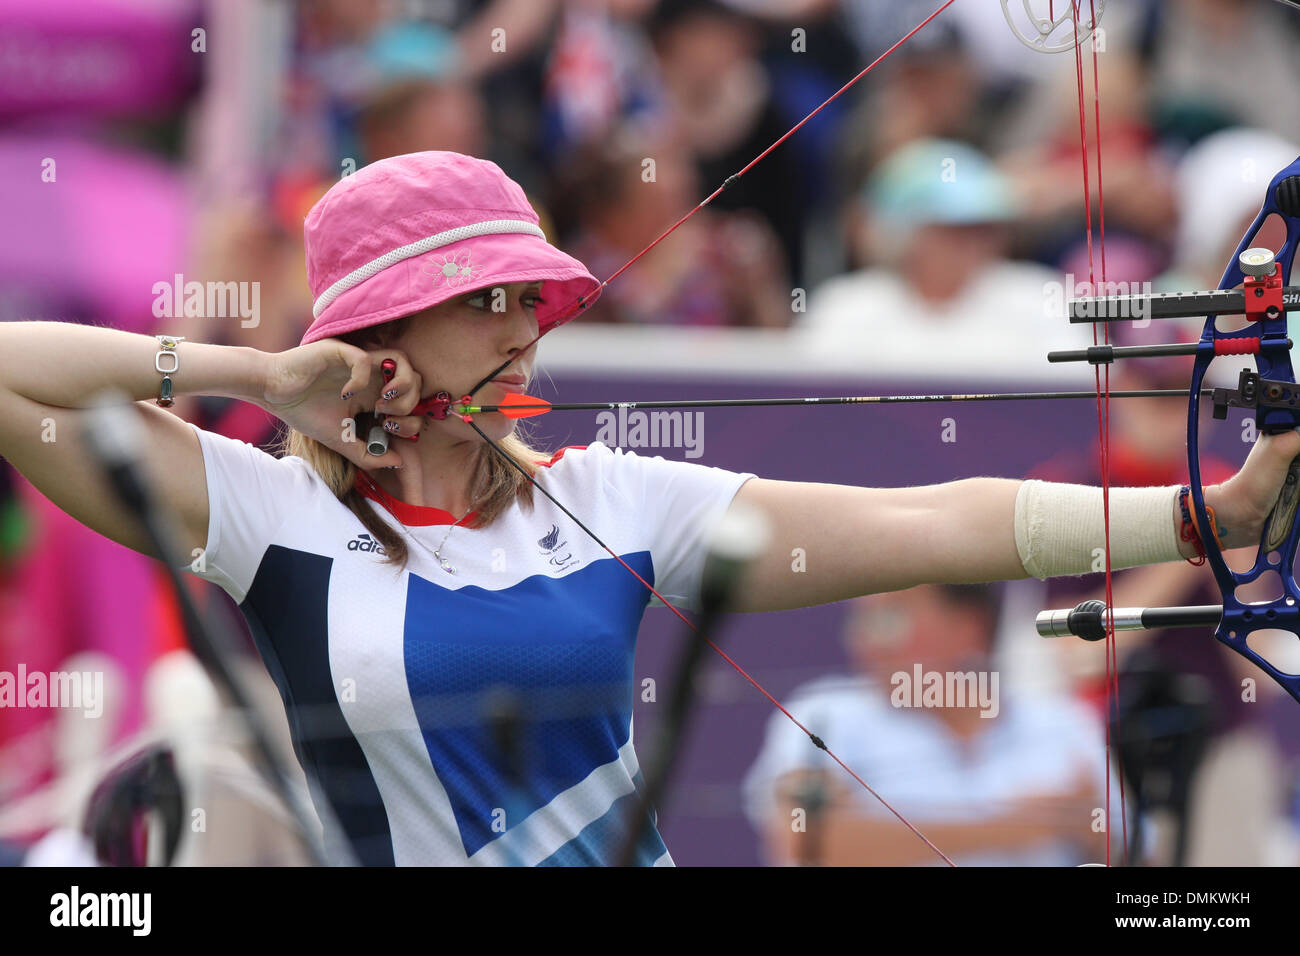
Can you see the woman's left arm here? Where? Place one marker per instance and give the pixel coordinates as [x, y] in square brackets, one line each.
[833, 542]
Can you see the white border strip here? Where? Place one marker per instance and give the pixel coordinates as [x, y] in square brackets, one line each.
[493, 227]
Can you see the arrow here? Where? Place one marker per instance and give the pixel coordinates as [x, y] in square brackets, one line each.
[529, 406]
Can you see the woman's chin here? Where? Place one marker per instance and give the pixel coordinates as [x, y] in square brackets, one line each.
[495, 427]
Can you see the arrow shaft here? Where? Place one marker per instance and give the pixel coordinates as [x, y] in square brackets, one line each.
[837, 400]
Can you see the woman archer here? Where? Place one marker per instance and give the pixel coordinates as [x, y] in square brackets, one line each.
[390, 595]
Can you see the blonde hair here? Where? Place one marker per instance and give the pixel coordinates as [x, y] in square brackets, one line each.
[494, 485]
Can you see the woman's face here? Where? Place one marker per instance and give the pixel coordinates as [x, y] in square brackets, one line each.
[455, 343]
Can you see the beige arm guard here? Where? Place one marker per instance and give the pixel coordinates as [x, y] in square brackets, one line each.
[1060, 531]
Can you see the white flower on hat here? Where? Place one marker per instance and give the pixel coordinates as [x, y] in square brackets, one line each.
[453, 268]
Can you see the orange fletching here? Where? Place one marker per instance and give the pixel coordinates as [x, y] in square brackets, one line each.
[523, 406]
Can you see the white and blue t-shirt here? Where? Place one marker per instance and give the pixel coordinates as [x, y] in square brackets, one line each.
[387, 675]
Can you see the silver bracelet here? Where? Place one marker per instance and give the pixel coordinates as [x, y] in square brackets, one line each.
[167, 348]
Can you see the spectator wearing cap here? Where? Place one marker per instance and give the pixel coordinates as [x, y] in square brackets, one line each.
[933, 221]
[416, 98]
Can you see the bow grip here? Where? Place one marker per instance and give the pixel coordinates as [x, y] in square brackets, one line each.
[1281, 517]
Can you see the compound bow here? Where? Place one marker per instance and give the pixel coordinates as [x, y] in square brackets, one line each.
[1270, 391]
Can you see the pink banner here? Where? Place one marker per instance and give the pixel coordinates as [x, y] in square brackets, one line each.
[95, 57]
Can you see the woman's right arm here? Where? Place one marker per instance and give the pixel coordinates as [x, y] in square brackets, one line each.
[50, 371]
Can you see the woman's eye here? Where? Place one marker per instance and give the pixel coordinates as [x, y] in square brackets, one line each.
[487, 299]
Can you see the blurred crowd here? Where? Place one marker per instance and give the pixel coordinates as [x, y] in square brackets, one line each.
[930, 208]
[951, 172]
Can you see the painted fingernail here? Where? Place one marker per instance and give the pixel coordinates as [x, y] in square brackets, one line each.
[346, 395]
[390, 426]
[390, 394]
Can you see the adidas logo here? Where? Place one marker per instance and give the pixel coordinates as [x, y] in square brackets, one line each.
[363, 542]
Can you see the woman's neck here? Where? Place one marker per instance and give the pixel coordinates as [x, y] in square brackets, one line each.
[438, 475]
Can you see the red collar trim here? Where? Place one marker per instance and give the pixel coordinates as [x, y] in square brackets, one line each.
[560, 454]
[412, 515]
[420, 516]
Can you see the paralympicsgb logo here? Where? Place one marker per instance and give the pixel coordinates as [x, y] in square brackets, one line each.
[551, 545]
[363, 542]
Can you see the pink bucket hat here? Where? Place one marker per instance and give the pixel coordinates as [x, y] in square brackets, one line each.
[406, 233]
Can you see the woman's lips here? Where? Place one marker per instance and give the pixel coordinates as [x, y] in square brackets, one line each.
[510, 383]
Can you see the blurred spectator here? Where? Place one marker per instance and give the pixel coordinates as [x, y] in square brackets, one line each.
[935, 215]
[1220, 186]
[1195, 53]
[417, 115]
[1132, 184]
[808, 55]
[1003, 780]
[428, 68]
[524, 26]
[927, 89]
[722, 103]
[600, 74]
[399, 89]
[719, 268]
[418, 101]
